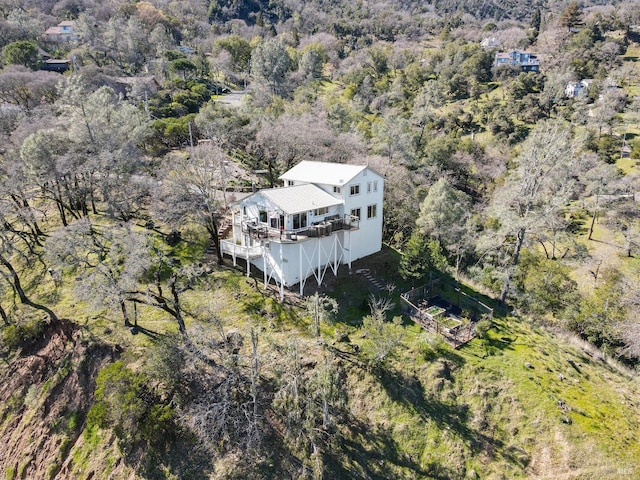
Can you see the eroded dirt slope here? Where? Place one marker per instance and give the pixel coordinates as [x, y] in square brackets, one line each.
[45, 393]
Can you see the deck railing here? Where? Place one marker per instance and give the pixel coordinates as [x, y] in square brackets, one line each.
[326, 227]
[230, 247]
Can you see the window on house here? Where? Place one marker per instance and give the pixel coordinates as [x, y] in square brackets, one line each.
[368, 187]
[337, 190]
[375, 185]
[299, 220]
[290, 183]
[355, 212]
[371, 211]
[263, 216]
[321, 211]
[355, 189]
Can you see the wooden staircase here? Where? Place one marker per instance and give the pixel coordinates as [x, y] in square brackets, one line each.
[224, 229]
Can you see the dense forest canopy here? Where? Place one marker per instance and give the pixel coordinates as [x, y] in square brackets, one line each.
[518, 178]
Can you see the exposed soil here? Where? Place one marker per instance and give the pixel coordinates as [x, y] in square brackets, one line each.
[45, 393]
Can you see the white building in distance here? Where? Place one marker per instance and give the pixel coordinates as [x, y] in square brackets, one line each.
[578, 89]
[325, 215]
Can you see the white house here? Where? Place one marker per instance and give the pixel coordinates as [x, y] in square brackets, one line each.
[489, 42]
[577, 89]
[325, 215]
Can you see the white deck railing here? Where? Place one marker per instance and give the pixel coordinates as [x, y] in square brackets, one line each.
[230, 247]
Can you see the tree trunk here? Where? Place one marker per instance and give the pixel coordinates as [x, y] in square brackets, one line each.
[544, 247]
[514, 263]
[125, 314]
[15, 282]
[22, 202]
[4, 316]
[213, 232]
[58, 199]
[593, 219]
[178, 313]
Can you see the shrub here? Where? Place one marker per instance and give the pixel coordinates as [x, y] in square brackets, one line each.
[22, 335]
[482, 328]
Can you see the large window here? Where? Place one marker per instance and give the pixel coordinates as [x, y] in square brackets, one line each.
[355, 212]
[263, 216]
[321, 211]
[355, 189]
[299, 220]
[372, 211]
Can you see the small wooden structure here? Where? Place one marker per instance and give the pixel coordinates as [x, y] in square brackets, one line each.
[427, 306]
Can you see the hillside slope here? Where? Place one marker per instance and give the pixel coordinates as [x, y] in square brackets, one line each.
[45, 393]
[521, 403]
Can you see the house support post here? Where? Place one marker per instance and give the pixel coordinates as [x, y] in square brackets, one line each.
[319, 277]
[264, 261]
[336, 258]
[349, 249]
[281, 274]
[302, 280]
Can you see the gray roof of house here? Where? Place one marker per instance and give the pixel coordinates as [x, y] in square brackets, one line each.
[299, 198]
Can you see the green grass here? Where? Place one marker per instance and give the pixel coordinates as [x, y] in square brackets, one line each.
[504, 404]
[628, 166]
[499, 406]
[495, 407]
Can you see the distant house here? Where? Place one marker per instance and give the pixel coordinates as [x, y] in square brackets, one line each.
[527, 61]
[63, 32]
[578, 89]
[56, 65]
[326, 215]
[489, 42]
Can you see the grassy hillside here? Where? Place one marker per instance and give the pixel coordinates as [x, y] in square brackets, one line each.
[521, 403]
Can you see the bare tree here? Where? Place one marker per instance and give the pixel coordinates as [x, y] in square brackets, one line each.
[25, 88]
[116, 265]
[194, 188]
[306, 402]
[216, 386]
[9, 270]
[282, 142]
[544, 179]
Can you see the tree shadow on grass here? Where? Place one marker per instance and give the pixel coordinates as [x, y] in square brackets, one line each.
[409, 391]
[371, 452]
[185, 459]
[135, 329]
[501, 343]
